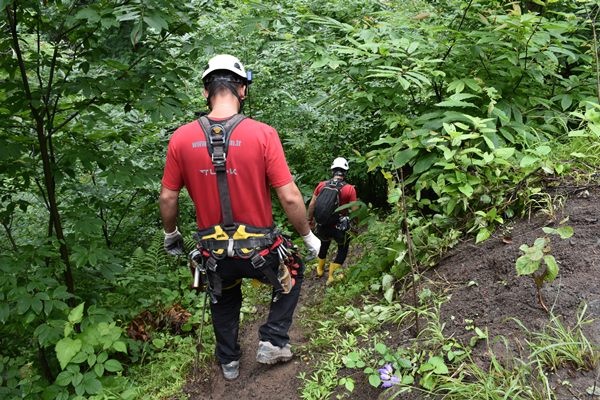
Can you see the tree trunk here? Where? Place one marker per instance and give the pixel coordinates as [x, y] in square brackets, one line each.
[49, 182]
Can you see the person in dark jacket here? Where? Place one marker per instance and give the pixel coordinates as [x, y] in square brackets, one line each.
[338, 229]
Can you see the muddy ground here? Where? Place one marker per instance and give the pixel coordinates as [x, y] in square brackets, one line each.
[483, 290]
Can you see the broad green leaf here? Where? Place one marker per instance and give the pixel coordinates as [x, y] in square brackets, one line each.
[593, 390]
[456, 86]
[76, 314]
[387, 281]
[374, 380]
[156, 22]
[389, 295]
[66, 349]
[424, 163]
[3, 4]
[455, 103]
[535, 253]
[566, 102]
[404, 156]
[543, 150]
[381, 348]
[540, 243]
[551, 268]
[99, 369]
[64, 378]
[565, 231]
[136, 33]
[88, 14]
[526, 266]
[427, 381]
[466, 189]
[504, 152]
[113, 365]
[349, 384]
[439, 367]
[579, 155]
[120, 346]
[528, 160]
[91, 384]
[91, 360]
[482, 235]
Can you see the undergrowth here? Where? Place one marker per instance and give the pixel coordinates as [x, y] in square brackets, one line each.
[434, 363]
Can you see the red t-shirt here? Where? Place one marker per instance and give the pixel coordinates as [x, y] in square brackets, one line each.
[255, 163]
[347, 194]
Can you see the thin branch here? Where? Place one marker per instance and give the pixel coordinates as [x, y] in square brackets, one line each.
[38, 69]
[437, 88]
[74, 115]
[12, 22]
[414, 268]
[527, 53]
[484, 66]
[50, 80]
[11, 239]
[43, 193]
[462, 20]
[128, 207]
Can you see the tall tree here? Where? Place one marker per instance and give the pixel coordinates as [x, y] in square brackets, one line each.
[68, 67]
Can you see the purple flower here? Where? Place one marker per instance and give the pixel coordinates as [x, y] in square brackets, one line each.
[387, 376]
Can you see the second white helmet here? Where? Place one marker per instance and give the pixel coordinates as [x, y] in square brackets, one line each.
[341, 163]
[225, 62]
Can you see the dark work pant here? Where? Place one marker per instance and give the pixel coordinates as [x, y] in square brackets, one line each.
[226, 312]
[329, 233]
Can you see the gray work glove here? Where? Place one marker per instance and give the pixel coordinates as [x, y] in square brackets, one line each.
[312, 243]
[174, 243]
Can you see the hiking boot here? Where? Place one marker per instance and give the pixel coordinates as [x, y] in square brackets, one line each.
[270, 354]
[320, 267]
[332, 268]
[231, 371]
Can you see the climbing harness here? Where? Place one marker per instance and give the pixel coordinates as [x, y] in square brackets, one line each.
[232, 239]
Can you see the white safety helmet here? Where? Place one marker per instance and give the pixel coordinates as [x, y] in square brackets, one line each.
[340, 163]
[225, 62]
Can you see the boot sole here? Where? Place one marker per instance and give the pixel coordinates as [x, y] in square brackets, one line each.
[271, 361]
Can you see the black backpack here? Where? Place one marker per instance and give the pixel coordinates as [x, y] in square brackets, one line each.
[327, 201]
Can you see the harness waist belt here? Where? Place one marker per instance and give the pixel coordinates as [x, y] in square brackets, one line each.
[252, 243]
[240, 239]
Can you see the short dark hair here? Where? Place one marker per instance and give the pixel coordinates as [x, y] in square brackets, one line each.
[222, 77]
[221, 81]
[338, 172]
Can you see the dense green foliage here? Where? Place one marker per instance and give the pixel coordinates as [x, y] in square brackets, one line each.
[452, 113]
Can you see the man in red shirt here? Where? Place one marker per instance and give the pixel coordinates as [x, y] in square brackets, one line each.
[338, 228]
[254, 163]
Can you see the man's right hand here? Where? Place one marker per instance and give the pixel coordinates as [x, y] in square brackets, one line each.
[312, 243]
[174, 243]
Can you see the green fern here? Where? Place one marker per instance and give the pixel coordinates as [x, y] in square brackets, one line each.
[152, 278]
[154, 257]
